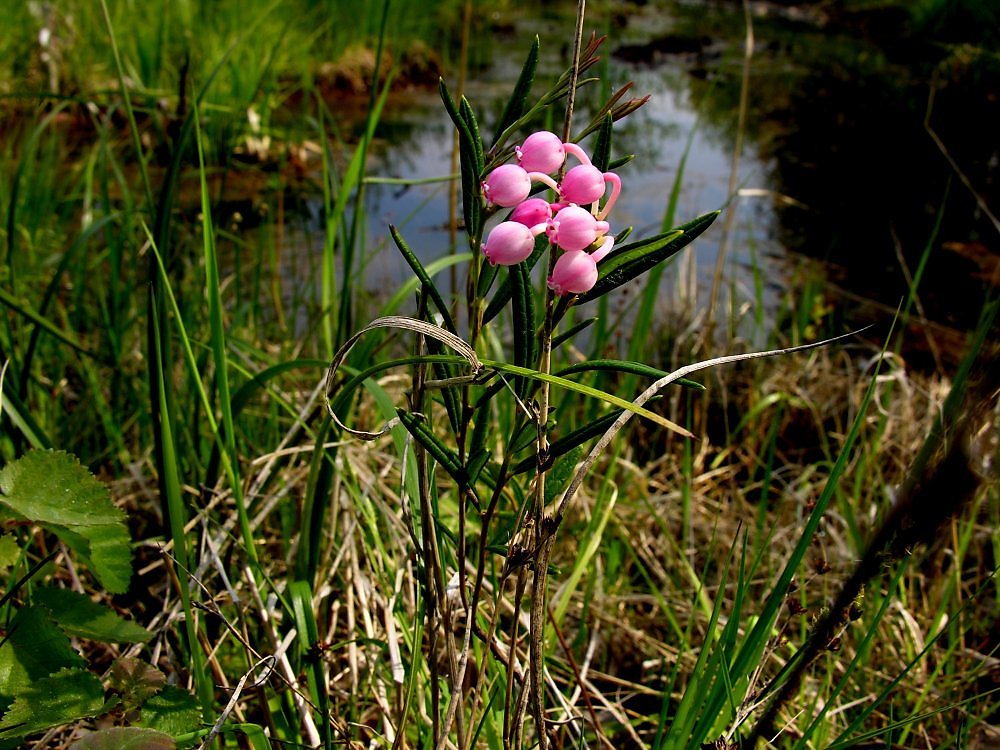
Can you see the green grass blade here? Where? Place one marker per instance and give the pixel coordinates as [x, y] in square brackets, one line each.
[634, 259]
[514, 107]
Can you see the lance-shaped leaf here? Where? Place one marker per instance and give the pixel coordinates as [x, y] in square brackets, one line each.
[506, 289]
[465, 110]
[565, 444]
[634, 259]
[631, 368]
[602, 149]
[588, 391]
[515, 105]
[523, 308]
[421, 273]
[467, 153]
[445, 456]
[441, 453]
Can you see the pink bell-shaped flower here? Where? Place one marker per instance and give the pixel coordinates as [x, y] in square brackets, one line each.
[574, 273]
[541, 152]
[574, 228]
[531, 212]
[507, 185]
[583, 184]
[510, 242]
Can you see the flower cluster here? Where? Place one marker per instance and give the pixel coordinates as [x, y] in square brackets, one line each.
[575, 223]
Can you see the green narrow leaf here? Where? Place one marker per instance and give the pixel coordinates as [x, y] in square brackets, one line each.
[300, 593]
[602, 149]
[425, 280]
[125, 738]
[588, 391]
[172, 710]
[632, 368]
[467, 152]
[569, 442]
[562, 471]
[562, 338]
[465, 110]
[506, 289]
[445, 457]
[632, 260]
[523, 327]
[478, 454]
[61, 698]
[518, 98]
[444, 371]
[77, 615]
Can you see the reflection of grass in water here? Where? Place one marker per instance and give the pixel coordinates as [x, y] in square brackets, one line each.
[653, 530]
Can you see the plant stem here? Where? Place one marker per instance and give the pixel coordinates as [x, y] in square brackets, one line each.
[543, 539]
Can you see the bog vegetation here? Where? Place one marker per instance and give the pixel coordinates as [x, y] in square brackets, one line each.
[572, 521]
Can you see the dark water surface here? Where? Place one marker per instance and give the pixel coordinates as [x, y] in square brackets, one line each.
[839, 179]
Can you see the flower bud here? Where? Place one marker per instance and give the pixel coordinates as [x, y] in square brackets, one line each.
[509, 242]
[531, 212]
[582, 184]
[574, 228]
[541, 152]
[574, 273]
[507, 185]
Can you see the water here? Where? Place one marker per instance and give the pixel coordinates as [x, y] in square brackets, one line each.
[840, 183]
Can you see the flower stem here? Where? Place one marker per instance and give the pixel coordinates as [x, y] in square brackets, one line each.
[543, 539]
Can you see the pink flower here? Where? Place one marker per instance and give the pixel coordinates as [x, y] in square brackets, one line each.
[574, 273]
[574, 228]
[510, 242]
[507, 185]
[582, 184]
[531, 212]
[541, 152]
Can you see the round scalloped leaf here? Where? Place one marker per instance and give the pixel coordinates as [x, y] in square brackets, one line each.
[60, 698]
[53, 487]
[77, 615]
[125, 738]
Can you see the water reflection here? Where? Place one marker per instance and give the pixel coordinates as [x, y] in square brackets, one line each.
[835, 129]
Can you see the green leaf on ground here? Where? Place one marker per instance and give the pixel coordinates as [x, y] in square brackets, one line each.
[135, 680]
[54, 487]
[173, 711]
[54, 490]
[125, 738]
[9, 550]
[34, 649]
[61, 698]
[77, 615]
